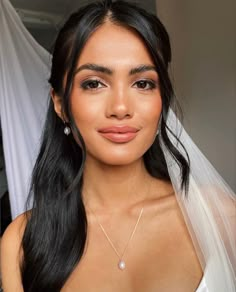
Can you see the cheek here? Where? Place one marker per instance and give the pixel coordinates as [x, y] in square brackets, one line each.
[84, 110]
[151, 113]
[82, 113]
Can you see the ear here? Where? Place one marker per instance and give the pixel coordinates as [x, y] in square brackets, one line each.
[57, 103]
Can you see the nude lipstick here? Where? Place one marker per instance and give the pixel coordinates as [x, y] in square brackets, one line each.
[119, 134]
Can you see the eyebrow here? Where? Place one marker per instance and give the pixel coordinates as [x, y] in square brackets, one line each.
[108, 71]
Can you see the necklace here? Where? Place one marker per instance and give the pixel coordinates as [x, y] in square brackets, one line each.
[121, 263]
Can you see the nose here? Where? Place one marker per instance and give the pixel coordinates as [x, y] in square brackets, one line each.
[119, 104]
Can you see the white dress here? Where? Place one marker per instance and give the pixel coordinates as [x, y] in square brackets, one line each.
[202, 286]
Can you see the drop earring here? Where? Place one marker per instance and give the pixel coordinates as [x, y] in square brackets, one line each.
[67, 129]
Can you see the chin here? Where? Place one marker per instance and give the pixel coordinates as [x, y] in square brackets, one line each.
[119, 155]
[118, 160]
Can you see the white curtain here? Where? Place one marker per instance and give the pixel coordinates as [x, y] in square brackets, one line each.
[24, 70]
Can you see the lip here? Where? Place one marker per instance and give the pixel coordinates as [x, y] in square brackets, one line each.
[119, 134]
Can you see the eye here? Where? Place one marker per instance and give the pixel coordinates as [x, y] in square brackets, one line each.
[145, 84]
[92, 84]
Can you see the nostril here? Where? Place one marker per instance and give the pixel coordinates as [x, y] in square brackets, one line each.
[119, 108]
[121, 117]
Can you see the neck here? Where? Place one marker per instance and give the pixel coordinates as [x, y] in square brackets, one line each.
[114, 187]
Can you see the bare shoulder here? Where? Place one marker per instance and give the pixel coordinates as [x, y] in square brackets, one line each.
[12, 236]
[16, 228]
[11, 254]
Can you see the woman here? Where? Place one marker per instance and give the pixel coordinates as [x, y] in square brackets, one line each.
[117, 198]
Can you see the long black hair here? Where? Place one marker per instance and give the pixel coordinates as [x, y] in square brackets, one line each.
[56, 230]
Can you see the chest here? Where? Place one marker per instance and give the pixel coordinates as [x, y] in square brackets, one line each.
[160, 257]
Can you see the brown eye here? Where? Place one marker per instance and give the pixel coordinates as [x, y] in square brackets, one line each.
[91, 84]
[142, 84]
[145, 84]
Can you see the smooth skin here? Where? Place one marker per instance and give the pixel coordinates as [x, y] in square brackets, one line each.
[117, 91]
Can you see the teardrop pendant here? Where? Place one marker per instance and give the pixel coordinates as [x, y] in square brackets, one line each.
[121, 265]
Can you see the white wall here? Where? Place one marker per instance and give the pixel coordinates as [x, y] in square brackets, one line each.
[203, 36]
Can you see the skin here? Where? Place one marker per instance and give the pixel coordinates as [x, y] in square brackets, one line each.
[161, 256]
[116, 183]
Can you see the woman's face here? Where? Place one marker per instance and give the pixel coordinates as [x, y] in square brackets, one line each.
[115, 98]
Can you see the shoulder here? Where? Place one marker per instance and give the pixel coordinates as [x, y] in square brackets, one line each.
[16, 227]
[11, 240]
[11, 254]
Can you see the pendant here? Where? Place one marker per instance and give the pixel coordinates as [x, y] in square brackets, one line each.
[121, 265]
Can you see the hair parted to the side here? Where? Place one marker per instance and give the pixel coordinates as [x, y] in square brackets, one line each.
[55, 234]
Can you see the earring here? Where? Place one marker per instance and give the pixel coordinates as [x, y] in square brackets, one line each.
[67, 129]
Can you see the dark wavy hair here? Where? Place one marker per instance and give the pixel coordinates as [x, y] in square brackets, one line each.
[56, 230]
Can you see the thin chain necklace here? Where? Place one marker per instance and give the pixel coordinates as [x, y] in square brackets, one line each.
[121, 263]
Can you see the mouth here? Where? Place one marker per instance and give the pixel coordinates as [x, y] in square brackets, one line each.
[119, 134]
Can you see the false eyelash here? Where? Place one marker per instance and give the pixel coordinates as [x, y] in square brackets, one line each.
[84, 84]
[151, 83]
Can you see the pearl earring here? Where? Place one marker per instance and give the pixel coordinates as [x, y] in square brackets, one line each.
[67, 129]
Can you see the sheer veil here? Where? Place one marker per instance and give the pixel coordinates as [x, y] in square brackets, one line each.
[24, 69]
[210, 207]
[209, 210]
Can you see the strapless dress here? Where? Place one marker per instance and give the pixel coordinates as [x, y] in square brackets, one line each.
[202, 286]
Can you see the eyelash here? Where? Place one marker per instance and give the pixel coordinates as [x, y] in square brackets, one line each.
[152, 84]
[85, 85]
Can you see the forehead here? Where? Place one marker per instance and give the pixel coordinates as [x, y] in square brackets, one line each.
[114, 45]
